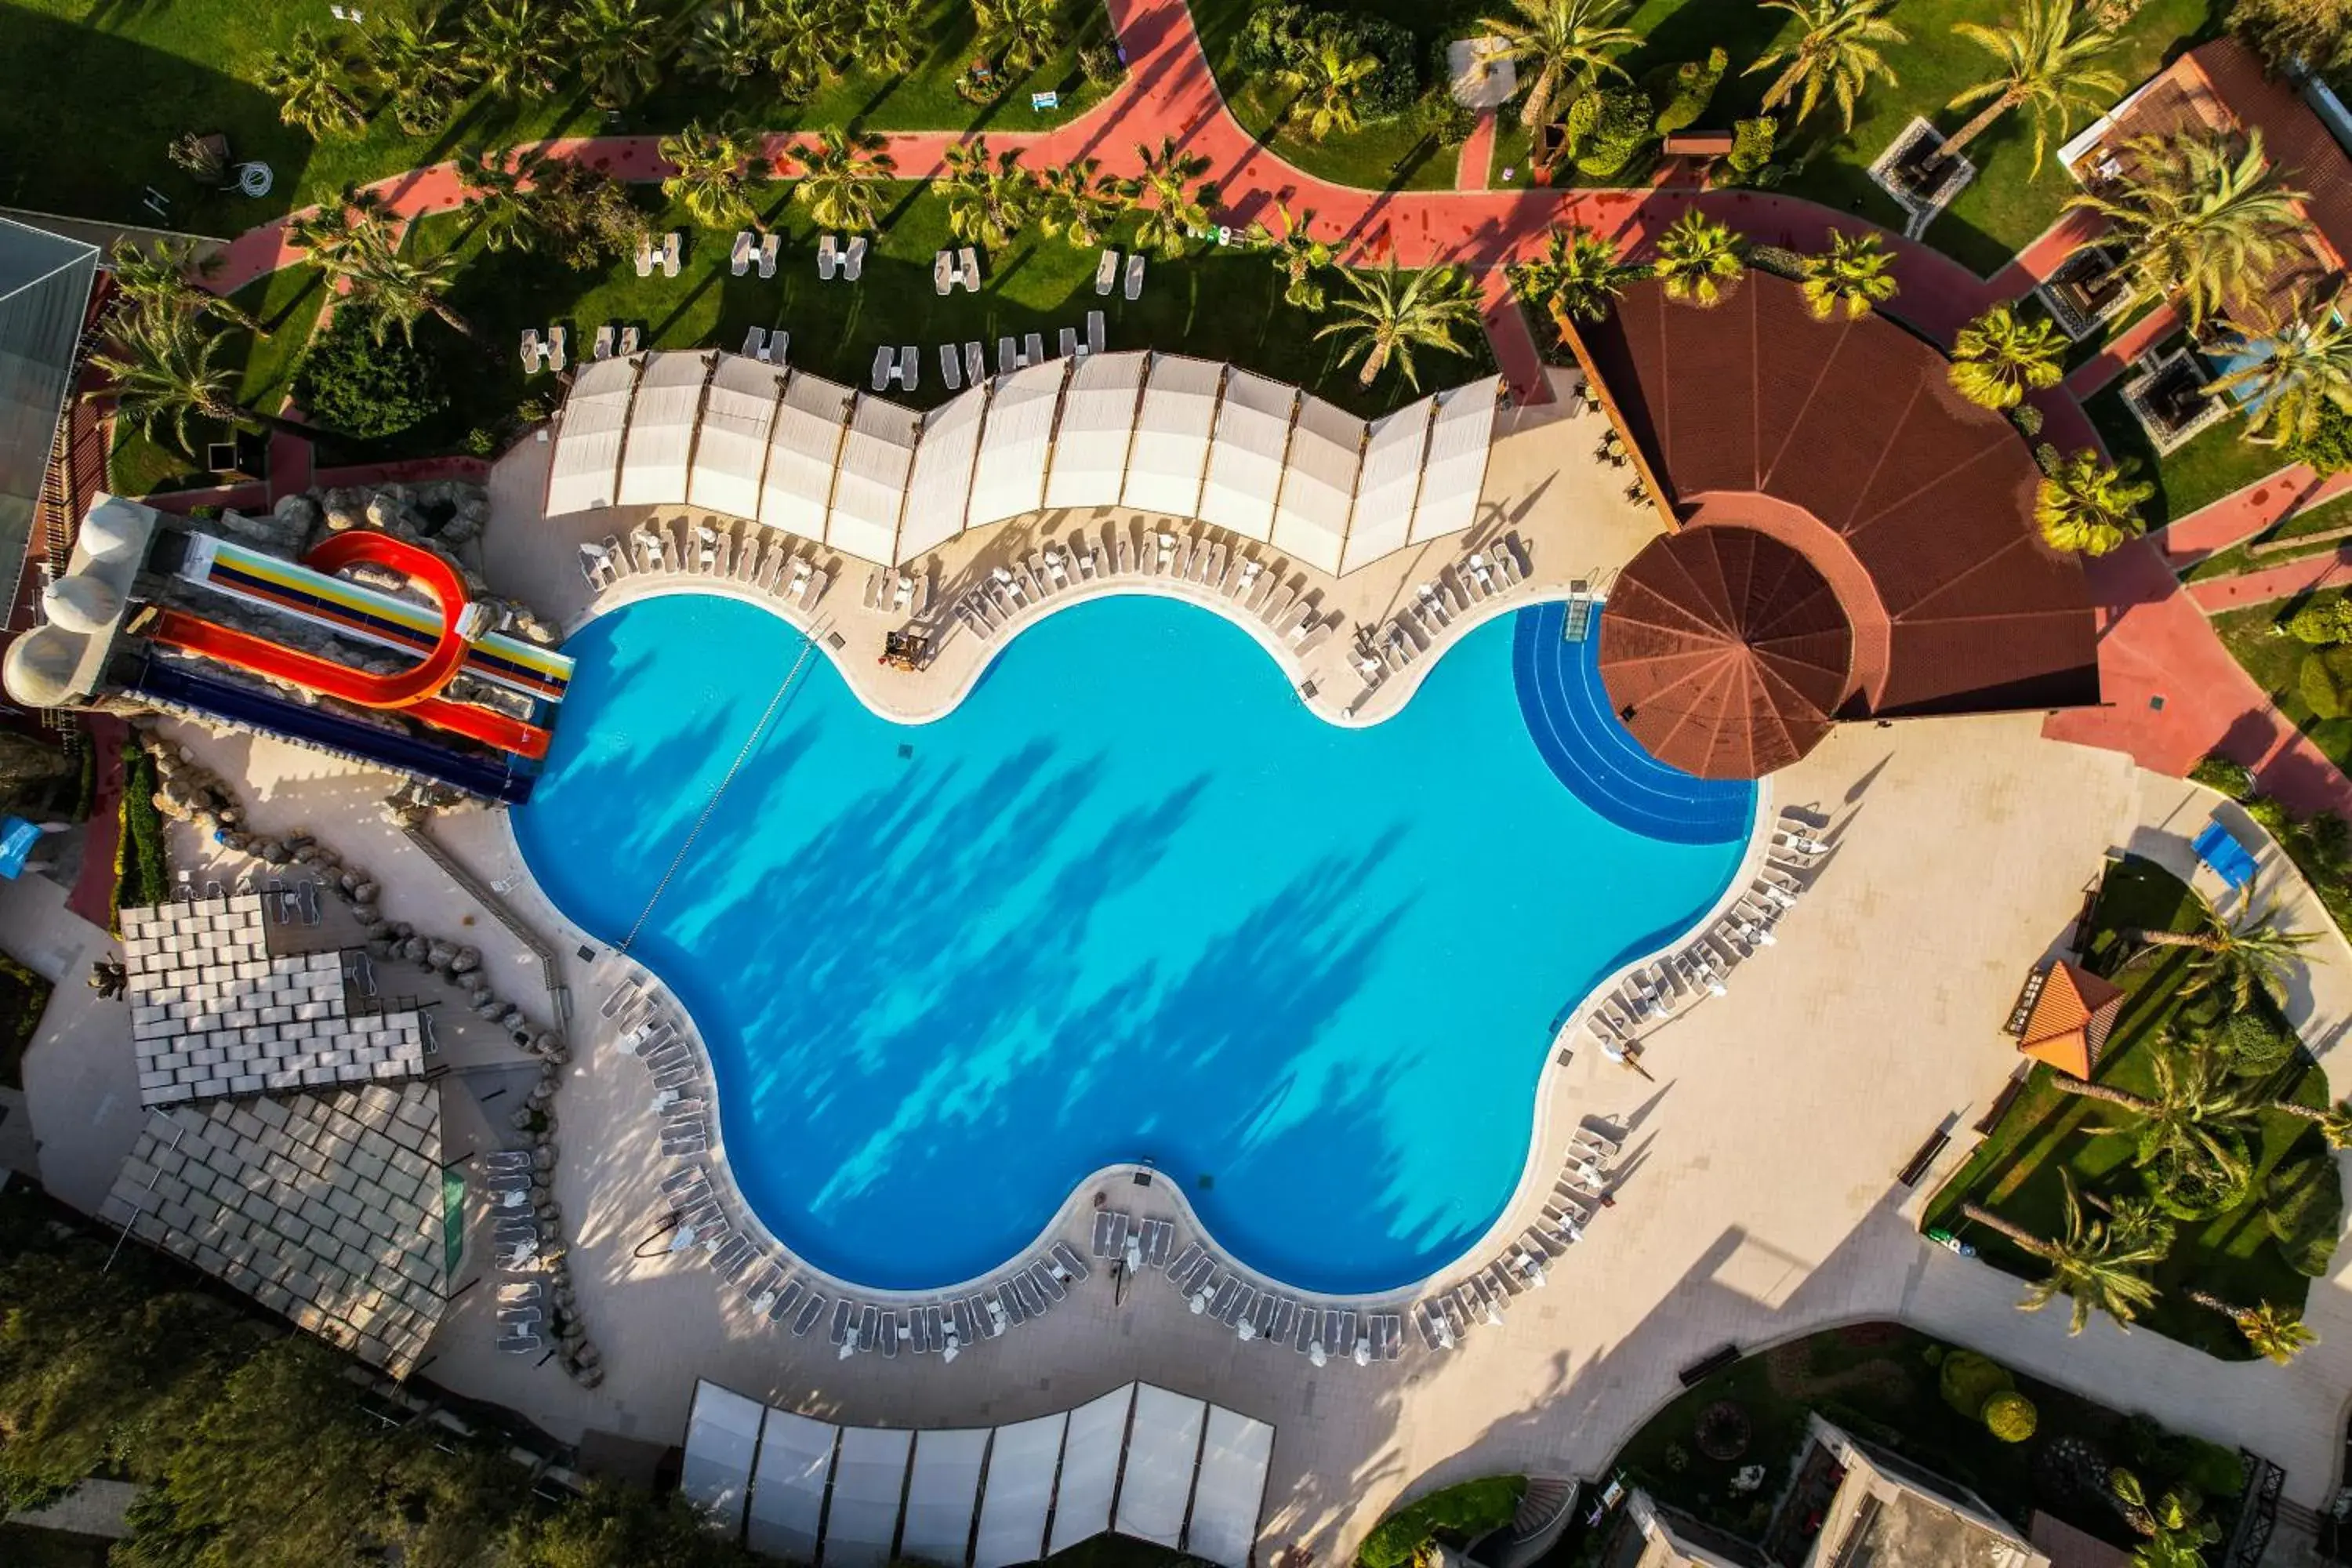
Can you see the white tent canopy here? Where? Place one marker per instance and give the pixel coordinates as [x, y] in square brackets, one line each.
[584, 471]
[1090, 1467]
[942, 1492]
[661, 429]
[869, 1481]
[1161, 433]
[788, 1486]
[1022, 1463]
[722, 1435]
[1162, 1450]
[1231, 1490]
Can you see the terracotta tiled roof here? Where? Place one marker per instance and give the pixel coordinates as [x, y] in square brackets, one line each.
[1846, 440]
[2071, 1020]
[1724, 652]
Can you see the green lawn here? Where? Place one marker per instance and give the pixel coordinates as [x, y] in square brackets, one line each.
[2015, 1172]
[2275, 661]
[1879, 1382]
[2327, 515]
[1219, 305]
[93, 98]
[287, 302]
[2213, 463]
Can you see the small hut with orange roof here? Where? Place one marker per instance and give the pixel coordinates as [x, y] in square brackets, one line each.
[2068, 1020]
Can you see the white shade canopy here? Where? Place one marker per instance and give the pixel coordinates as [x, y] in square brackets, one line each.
[722, 1435]
[788, 1485]
[1168, 434]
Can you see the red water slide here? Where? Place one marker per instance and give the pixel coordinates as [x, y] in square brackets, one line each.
[415, 690]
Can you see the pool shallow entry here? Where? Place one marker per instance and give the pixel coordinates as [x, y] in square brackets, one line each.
[1128, 902]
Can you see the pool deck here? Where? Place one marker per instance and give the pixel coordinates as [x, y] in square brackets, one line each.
[1755, 1199]
[1544, 486]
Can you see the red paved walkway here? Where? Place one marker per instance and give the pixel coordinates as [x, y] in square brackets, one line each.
[2241, 514]
[2306, 575]
[2135, 340]
[2156, 642]
[1475, 168]
[1516, 354]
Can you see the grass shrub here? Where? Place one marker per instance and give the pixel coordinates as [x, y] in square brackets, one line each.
[142, 870]
[1460, 1513]
[2010, 1417]
[23, 995]
[1968, 1382]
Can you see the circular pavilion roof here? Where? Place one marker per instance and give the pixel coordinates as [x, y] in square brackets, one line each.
[1725, 651]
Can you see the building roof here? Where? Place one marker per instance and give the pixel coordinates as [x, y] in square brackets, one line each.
[1161, 433]
[2219, 87]
[1724, 652]
[1845, 441]
[2067, 1547]
[2072, 1018]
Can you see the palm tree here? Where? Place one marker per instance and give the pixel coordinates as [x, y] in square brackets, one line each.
[160, 363]
[1697, 257]
[1395, 313]
[618, 44]
[512, 46]
[1173, 207]
[2197, 1122]
[2199, 217]
[714, 168]
[2277, 1334]
[2094, 1269]
[1836, 53]
[1567, 44]
[334, 227]
[2176, 1530]
[888, 36]
[1079, 202]
[2044, 67]
[2334, 1121]
[505, 213]
[1018, 35]
[2090, 506]
[988, 204]
[728, 44]
[804, 44]
[1578, 275]
[306, 78]
[2254, 954]
[1854, 274]
[386, 278]
[1325, 81]
[161, 276]
[842, 173]
[2000, 356]
[2306, 368]
[1297, 256]
[420, 67]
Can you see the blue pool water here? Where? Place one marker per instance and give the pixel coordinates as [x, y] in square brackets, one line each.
[1128, 902]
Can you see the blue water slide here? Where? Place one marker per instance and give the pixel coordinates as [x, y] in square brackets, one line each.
[1580, 737]
[243, 706]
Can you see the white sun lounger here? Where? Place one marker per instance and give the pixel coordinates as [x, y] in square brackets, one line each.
[555, 341]
[628, 342]
[943, 273]
[1069, 342]
[645, 256]
[968, 270]
[1095, 335]
[827, 257]
[670, 245]
[533, 356]
[1033, 349]
[768, 243]
[603, 345]
[886, 365]
[853, 260]
[738, 260]
[1107, 273]
[911, 367]
[951, 366]
[975, 363]
[1134, 278]
[755, 343]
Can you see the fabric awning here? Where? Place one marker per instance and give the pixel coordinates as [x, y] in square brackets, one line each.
[662, 423]
[731, 452]
[1246, 456]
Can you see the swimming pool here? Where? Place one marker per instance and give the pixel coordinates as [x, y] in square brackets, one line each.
[1128, 902]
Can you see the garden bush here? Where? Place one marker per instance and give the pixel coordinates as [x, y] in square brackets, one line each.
[1968, 1381]
[2322, 623]
[2234, 779]
[1277, 36]
[1681, 94]
[23, 995]
[142, 873]
[1751, 145]
[1620, 128]
[2010, 1417]
[2252, 1043]
[1460, 1512]
[2317, 688]
[355, 386]
[2328, 447]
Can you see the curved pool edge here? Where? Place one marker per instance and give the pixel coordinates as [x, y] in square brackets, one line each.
[1504, 1226]
[1382, 702]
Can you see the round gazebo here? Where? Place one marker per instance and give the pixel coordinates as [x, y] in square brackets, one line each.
[1726, 652]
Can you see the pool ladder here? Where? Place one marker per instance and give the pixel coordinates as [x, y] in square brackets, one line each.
[1585, 595]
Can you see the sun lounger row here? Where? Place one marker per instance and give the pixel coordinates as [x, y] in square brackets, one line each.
[953, 269]
[1205, 561]
[897, 367]
[1107, 274]
[767, 346]
[1138, 1244]
[1319, 1333]
[606, 341]
[1019, 354]
[1486, 1292]
[1413, 630]
[742, 552]
[902, 593]
[751, 247]
[539, 355]
[1031, 1290]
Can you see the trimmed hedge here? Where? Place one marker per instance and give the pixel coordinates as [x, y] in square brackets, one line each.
[1466, 1512]
[23, 995]
[1968, 1382]
[142, 871]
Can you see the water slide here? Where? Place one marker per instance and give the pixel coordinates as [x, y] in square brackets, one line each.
[414, 691]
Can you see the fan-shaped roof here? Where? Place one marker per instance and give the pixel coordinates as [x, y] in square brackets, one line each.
[1725, 651]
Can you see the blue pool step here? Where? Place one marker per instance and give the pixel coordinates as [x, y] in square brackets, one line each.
[1581, 739]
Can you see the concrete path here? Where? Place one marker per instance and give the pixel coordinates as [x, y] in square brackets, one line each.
[1473, 170]
[2094, 373]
